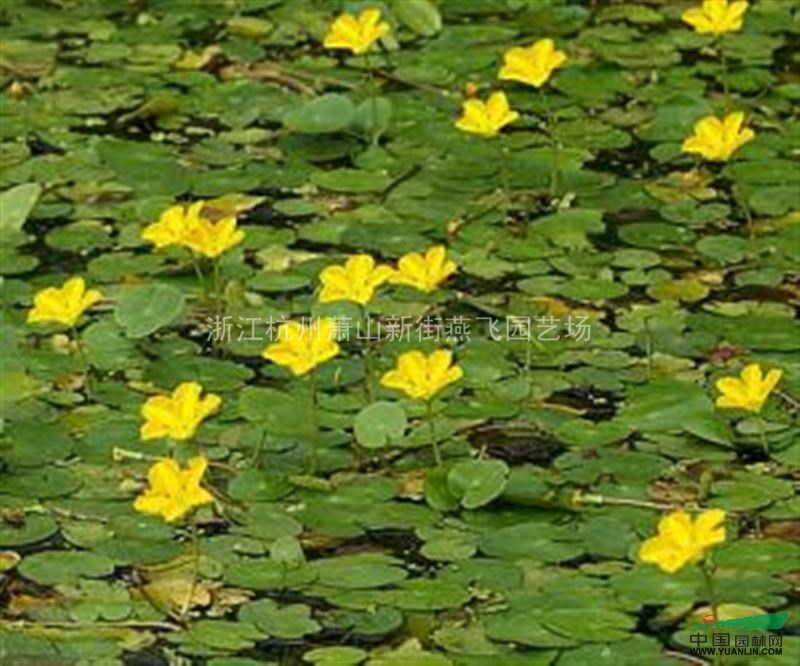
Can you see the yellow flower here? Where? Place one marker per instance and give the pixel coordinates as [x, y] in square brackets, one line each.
[533, 65]
[211, 239]
[355, 281]
[420, 376]
[356, 34]
[177, 416]
[302, 348]
[716, 16]
[486, 118]
[680, 541]
[717, 139]
[173, 225]
[423, 272]
[749, 391]
[64, 304]
[173, 491]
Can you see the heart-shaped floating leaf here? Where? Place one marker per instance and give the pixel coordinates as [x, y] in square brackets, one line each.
[143, 310]
[326, 113]
[15, 206]
[477, 482]
[421, 16]
[379, 423]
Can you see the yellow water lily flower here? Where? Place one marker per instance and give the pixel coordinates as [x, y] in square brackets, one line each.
[63, 305]
[173, 225]
[302, 348]
[716, 17]
[717, 139]
[173, 491]
[422, 377]
[211, 239]
[424, 272]
[356, 34]
[486, 118]
[355, 281]
[177, 416]
[681, 541]
[749, 391]
[533, 65]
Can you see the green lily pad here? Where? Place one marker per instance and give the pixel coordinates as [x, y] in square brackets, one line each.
[327, 113]
[380, 423]
[60, 566]
[477, 482]
[143, 310]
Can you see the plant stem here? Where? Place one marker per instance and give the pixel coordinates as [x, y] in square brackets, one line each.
[369, 371]
[369, 360]
[708, 579]
[762, 432]
[312, 396]
[555, 176]
[76, 626]
[504, 177]
[724, 62]
[648, 343]
[119, 454]
[432, 430]
[372, 103]
[87, 370]
[580, 497]
[750, 226]
[200, 278]
[528, 359]
[195, 569]
[217, 289]
[793, 404]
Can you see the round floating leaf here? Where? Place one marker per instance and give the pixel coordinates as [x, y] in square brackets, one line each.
[634, 650]
[686, 290]
[34, 528]
[327, 113]
[595, 625]
[64, 566]
[580, 432]
[530, 540]
[335, 656]
[265, 574]
[423, 594]
[15, 206]
[145, 309]
[373, 116]
[410, 653]
[358, 571]
[379, 423]
[284, 622]
[766, 555]
[421, 16]
[477, 482]
[351, 180]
